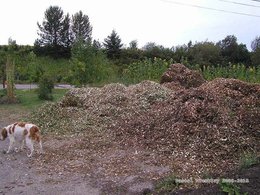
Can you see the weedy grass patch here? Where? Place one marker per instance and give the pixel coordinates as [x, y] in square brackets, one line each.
[28, 99]
[167, 185]
[248, 159]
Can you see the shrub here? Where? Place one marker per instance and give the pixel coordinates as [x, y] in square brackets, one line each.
[46, 84]
[89, 65]
[148, 69]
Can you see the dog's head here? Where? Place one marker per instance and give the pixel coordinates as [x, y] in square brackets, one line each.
[3, 134]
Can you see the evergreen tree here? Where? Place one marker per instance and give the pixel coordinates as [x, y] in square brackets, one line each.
[54, 34]
[113, 45]
[81, 28]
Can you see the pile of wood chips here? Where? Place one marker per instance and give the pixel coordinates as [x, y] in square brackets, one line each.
[193, 126]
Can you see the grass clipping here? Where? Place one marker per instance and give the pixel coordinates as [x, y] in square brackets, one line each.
[192, 127]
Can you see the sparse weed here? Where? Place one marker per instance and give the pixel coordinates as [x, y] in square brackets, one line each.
[167, 185]
[247, 160]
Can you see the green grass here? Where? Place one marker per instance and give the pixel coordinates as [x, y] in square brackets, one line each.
[29, 99]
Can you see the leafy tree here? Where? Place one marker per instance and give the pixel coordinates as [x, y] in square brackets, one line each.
[205, 53]
[228, 48]
[113, 45]
[232, 51]
[3, 50]
[133, 44]
[152, 50]
[255, 43]
[10, 65]
[89, 65]
[243, 55]
[54, 34]
[180, 53]
[81, 28]
[255, 57]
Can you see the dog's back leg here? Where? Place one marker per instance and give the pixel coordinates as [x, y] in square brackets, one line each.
[11, 144]
[22, 145]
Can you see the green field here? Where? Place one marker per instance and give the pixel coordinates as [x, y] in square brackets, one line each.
[29, 99]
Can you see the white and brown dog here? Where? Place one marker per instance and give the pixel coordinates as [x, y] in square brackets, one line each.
[22, 132]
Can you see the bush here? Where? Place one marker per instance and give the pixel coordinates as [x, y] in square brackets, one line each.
[236, 71]
[89, 65]
[148, 69]
[46, 84]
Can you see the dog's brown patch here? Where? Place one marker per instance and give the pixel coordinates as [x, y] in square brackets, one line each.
[34, 133]
[10, 130]
[13, 127]
[4, 133]
[25, 132]
[21, 124]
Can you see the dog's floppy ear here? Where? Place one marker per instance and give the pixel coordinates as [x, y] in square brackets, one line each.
[3, 134]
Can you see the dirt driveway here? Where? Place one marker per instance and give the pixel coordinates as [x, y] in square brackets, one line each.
[70, 166]
[20, 175]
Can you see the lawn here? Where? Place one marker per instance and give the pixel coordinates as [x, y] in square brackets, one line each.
[29, 101]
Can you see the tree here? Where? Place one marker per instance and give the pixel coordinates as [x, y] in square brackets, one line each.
[152, 50]
[10, 65]
[97, 45]
[113, 45]
[232, 51]
[255, 57]
[133, 44]
[3, 50]
[131, 54]
[89, 65]
[54, 34]
[255, 43]
[205, 53]
[180, 53]
[81, 28]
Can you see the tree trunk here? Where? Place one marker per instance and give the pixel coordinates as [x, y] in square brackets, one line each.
[10, 80]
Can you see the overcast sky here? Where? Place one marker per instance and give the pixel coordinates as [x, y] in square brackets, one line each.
[164, 22]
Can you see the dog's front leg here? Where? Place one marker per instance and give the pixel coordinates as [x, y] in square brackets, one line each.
[29, 144]
[41, 150]
[11, 144]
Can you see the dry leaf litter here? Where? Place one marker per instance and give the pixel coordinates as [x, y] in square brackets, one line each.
[183, 126]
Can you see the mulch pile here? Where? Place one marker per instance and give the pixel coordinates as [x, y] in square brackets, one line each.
[179, 75]
[193, 125]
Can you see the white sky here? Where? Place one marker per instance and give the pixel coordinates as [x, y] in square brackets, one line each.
[158, 21]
